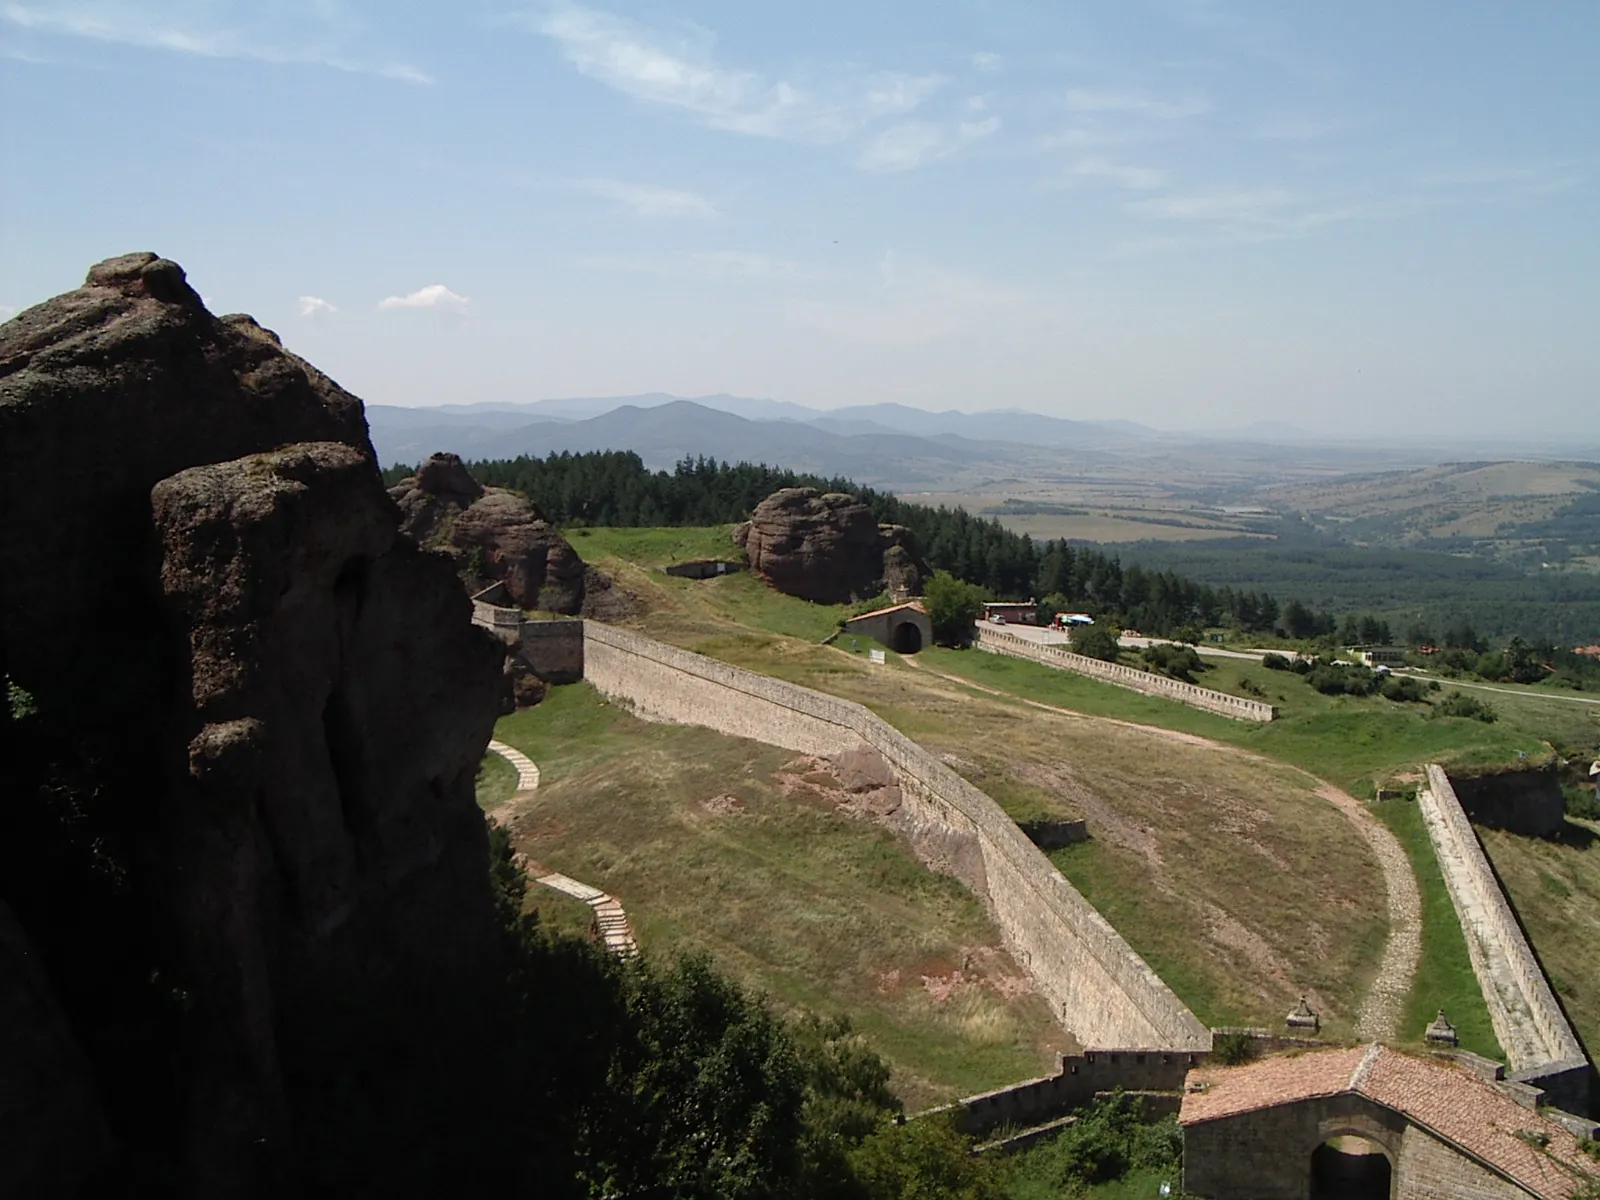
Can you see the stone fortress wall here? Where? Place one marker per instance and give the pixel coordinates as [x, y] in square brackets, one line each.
[996, 641]
[1102, 991]
[554, 649]
[1540, 1045]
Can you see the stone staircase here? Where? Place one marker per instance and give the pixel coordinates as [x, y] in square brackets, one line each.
[609, 919]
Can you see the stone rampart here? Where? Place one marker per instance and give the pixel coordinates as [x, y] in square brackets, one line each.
[1539, 1043]
[1080, 1079]
[493, 616]
[1528, 802]
[997, 641]
[1101, 990]
[554, 649]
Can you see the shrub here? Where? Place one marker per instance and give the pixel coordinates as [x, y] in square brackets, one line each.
[1232, 1049]
[1332, 680]
[1276, 662]
[1403, 690]
[1176, 662]
[1096, 641]
[1580, 802]
[952, 608]
[926, 1159]
[1459, 704]
[1109, 1138]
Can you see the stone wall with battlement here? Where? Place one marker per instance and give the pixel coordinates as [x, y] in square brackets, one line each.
[996, 641]
[1101, 990]
[554, 649]
[1540, 1045]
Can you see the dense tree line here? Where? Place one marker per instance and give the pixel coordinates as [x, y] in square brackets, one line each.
[615, 488]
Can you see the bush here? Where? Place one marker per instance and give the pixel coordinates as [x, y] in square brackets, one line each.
[1109, 1138]
[1096, 641]
[924, 1159]
[1276, 662]
[1580, 802]
[1332, 680]
[1459, 704]
[1176, 662]
[1233, 1049]
[1403, 689]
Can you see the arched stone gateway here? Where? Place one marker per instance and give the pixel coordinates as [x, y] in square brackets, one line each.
[1369, 1123]
[1350, 1167]
[906, 639]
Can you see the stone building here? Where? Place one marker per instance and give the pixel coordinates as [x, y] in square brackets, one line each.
[904, 628]
[1370, 1122]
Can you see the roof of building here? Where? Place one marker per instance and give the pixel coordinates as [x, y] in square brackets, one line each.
[878, 612]
[1454, 1105]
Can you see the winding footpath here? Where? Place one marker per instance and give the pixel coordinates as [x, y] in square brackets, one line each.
[1379, 1016]
[609, 918]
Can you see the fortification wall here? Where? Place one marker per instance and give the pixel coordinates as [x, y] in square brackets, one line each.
[1080, 1079]
[996, 641]
[554, 649]
[1103, 992]
[1527, 802]
[1533, 1031]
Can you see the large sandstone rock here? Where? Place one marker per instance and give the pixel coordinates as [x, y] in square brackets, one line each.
[827, 548]
[239, 825]
[493, 534]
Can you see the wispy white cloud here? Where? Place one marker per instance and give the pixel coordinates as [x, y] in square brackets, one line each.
[647, 201]
[682, 72]
[913, 143]
[1139, 104]
[1123, 174]
[315, 306]
[434, 295]
[318, 34]
[987, 60]
[1296, 129]
[1216, 206]
[1498, 181]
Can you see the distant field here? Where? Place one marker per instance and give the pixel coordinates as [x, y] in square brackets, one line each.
[722, 845]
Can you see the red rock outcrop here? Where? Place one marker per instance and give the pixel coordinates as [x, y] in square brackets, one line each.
[246, 715]
[493, 534]
[828, 548]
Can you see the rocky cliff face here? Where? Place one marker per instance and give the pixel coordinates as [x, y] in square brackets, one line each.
[240, 852]
[827, 548]
[494, 536]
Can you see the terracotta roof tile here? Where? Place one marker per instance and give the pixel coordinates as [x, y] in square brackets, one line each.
[1454, 1105]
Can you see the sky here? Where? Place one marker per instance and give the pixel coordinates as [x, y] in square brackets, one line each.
[1363, 217]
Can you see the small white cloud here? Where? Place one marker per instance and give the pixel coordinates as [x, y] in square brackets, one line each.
[1122, 174]
[648, 201]
[912, 143]
[434, 295]
[1086, 100]
[313, 306]
[977, 103]
[1217, 206]
[986, 60]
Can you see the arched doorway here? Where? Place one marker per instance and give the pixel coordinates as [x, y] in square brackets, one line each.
[906, 639]
[1350, 1168]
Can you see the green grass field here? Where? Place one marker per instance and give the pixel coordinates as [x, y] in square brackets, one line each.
[1444, 973]
[722, 845]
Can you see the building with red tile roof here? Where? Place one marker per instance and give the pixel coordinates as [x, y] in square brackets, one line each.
[1370, 1118]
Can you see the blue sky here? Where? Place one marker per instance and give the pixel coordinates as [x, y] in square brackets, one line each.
[1359, 217]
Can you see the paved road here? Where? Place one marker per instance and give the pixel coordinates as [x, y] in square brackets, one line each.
[1049, 637]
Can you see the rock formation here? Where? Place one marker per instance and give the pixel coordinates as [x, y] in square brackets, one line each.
[827, 548]
[242, 872]
[494, 536]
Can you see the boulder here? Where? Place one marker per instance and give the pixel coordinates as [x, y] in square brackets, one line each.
[494, 536]
[246, 876]
[827, 548]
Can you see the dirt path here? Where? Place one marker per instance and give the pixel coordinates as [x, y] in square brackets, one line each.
[1379, 1015]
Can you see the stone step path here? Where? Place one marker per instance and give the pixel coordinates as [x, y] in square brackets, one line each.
[609, 918]
[527, 772]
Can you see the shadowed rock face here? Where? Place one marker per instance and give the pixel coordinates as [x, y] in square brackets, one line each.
[827, 548]
[494, 535]
[240, 841]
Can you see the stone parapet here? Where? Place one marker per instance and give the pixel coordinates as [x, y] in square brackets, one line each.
[1237, 707]
[1533, 1031]
[1101, 990]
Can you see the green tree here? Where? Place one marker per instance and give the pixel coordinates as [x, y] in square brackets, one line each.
[1097, 641]
[925, 1159]
[952, 606]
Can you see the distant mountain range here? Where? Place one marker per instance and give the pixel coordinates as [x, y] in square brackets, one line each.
[881, 445]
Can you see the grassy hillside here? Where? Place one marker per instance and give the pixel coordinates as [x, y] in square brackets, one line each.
[739, 849]
[1241, 887]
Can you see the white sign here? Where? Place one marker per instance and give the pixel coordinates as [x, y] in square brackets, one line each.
[877, 656]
